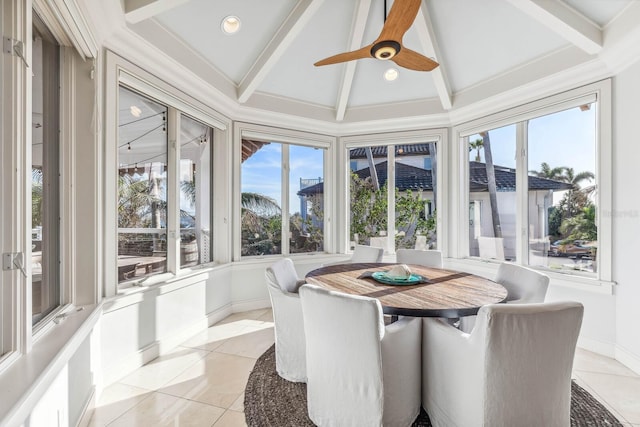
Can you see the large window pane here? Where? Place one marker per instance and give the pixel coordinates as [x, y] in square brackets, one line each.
[45, 195]
[261, 221]
[368, 196]
[415, 196]
[562, 202]
[195, 192]
[492, 194]
[142, 186]
[306, 220]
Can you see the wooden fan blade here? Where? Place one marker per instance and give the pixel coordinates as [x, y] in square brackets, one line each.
[401, 16]
[407, 58]
[364, 52]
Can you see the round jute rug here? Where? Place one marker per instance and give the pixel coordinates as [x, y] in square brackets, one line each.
[271, 401]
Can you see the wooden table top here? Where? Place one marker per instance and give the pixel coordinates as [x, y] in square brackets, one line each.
[449, 293]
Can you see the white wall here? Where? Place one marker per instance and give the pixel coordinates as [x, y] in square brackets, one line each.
[626, 214]
[137, 328]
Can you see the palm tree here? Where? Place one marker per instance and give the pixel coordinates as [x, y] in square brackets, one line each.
[576, 198]
[546, 171]
[476, 145]
[491, 184]
[261, 224]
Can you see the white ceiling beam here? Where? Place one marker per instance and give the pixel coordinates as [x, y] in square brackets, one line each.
[431, 49]
[138, 10]
[287, 33]
[565, 21]
[358, 26]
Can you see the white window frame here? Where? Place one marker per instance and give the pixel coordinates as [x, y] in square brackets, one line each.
[18, 333]
[120, 71]
[286, 137]
[439, 136]
[459, 236]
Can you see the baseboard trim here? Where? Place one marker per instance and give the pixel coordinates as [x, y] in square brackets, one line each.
[89, 406]
[247, 305]
[630, 360]
[595, 346]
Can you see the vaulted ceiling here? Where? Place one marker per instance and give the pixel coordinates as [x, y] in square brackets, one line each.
[484, 48]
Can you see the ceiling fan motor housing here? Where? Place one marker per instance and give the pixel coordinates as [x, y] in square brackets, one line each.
[385, 49]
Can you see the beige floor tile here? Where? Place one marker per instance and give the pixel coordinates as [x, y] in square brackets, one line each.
[114, 401]
[238, 405]
[593, 393]
[593, 362]
[619, 391]
[160, 370]
[267, 317]
[218, 379]
[245, 315]
[231, 419]
[252, 343]
[164, 410]
[214, 336]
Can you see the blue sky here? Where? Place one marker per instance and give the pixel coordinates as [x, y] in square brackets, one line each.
[261, 173]
[561, 139]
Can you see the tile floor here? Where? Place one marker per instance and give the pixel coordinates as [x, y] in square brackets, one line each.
[201, 382]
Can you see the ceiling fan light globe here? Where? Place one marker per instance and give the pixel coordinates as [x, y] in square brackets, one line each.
[385, 49]
[385, 53]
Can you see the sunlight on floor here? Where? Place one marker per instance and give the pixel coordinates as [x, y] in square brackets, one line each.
[202, 381]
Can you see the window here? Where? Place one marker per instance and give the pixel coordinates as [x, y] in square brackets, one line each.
[45, 172]
[163, 142]
[404, 217]
[142, 186]
[563, 233]
[549, 160]
[492, 193]
[272, 201]
[145, 177]
[195, 189]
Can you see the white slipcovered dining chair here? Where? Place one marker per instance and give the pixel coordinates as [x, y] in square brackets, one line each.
[514, 369]
[523, 285]
[362, 253]
[428, 258]
[283, 284]
[359, 372]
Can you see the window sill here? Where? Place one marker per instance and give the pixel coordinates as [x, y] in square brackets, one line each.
[489, 269]
[29, 376]
[133, 292]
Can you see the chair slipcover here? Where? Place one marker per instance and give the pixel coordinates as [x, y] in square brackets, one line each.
[513, 370]
[360, 373]
[283, 283]
[491, 247]
[430, 258]
[523, 285]
[363, 253]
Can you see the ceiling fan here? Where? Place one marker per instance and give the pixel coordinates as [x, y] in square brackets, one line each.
[388, 46]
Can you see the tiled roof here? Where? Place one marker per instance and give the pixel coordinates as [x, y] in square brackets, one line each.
[506, 179]
[381, 151]
[413, 178]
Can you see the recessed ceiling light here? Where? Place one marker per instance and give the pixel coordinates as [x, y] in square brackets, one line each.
[230, 24]
[391, 74]
[135, 111]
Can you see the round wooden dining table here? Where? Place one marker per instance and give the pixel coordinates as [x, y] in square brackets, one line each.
[446, 293]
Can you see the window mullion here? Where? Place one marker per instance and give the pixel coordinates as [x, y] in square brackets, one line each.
[522, 194]
[391, 199]
[173, 190]
[285, 200]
